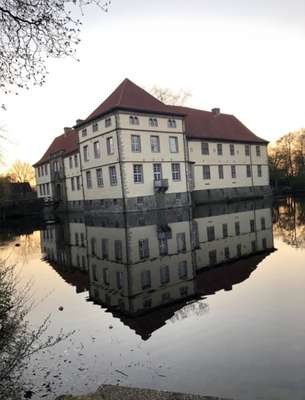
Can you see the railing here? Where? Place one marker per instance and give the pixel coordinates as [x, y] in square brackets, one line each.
[161, 185]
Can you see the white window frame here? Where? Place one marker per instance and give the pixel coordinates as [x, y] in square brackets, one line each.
[113, 175]
[110, 145]
[135, 143]
[176, 172]
[138, 173]
[97, 149]
[99, 177]
[173, 144]
[155, 143]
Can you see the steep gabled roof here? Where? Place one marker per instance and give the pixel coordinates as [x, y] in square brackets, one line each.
[67, 142]
[201, 124]
[129, 96]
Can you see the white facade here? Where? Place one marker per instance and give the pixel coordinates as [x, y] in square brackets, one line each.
[43, 181]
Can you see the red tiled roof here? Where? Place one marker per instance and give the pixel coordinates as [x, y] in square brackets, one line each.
[67, 142]
[129, 96]
[201, 124]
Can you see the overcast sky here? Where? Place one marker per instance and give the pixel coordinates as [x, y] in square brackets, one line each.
[245, 57]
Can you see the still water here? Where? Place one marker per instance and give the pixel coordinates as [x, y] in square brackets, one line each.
[207, 301]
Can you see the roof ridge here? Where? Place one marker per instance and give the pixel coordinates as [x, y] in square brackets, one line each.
[124, 83]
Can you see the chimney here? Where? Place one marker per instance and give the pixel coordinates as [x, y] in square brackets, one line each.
[79, 121]
[67, 129]
[216, 111]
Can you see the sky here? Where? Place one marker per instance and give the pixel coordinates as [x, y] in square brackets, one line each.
[247, 58]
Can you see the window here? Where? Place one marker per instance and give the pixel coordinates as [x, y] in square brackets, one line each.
[237, 228]
[253, 246]
[176, 172]
[93, 246]
[163, 246]
[97, 149]
[44, 189]
[135, 143]
[133, 120]
[48, 189]
[107, 122]
[119, 279]
[227, 253]
[82, 239]
[157, 171]
[78, 182]
[99, 177]
[171, 123]
[263, 223]
[155, 144]
[252, 225]
[70, 162]
[233, 171]
[83, 262]
[106, 276]
[75, 161]
[220, 171]
[72, 184]
[140, 200]
[212, 257]
[76, 239]
[94, 272]
[219, 149]
[232, 150]
[89, 180]
[113, 176]
[38, 170]
[143, 248]
[225, 230]
[238, 250]
[182, 269]
[109, 144]
[138, 173]
[258, 151]
[164, 275]
[248, 171]
[264, 243]
[105, 248]
[145, 279]
[247, 150]
[259, 171]
[210, 233]
[86, 153]
[181, 242]
[173, 144]
[206, 172]
[95, 127]
[42, 171]
[205, 148]
[118, 250]
[46, 169]
[153, 122]
[84, 132]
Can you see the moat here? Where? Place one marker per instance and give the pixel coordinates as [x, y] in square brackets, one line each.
[206, 301]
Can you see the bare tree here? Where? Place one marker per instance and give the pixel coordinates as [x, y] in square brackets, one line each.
[33, 30]
[170, 97]
[22, 172]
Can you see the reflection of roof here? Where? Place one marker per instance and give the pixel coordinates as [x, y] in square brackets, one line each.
[67, 143]
[207, 282]
[225, 276]
[78, 279]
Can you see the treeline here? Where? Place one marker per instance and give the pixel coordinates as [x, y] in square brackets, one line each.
[286, 161]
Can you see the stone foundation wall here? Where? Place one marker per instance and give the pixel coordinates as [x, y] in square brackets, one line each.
[230, 194]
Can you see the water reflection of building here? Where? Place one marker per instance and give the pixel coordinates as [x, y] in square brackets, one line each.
[144, 268]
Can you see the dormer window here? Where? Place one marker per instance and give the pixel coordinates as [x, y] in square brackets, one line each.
[84, 132]
[95, 127]
[153, 122]
[107, 122]
[133, 120]
[171, 123]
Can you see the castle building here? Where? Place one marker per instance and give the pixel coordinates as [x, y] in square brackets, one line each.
[134, 152]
